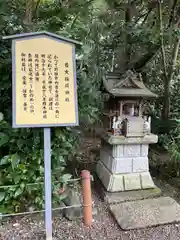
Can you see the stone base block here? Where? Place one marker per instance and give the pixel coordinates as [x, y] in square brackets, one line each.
[125, 196]
[111, 183]
[125, 158]
[132, 181]
[124, 164]
[123, 182]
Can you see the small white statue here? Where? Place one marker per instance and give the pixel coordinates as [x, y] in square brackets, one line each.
[117, 126]
[114, 123]
[149, 120]
[147, 124]
[118, 122]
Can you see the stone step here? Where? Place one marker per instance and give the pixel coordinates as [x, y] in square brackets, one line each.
[127, 196]
[146, 213]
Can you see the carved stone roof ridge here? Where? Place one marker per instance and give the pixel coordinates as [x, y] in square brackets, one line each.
[127, 85]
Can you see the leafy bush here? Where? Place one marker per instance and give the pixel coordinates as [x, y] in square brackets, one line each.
[174, 146]
[171, 143]
[164, 140]
[21, 163]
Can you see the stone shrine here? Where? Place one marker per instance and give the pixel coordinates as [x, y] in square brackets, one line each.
[126, 135]
[123, 168]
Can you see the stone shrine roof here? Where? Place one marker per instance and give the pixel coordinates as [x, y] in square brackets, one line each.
[127, 85]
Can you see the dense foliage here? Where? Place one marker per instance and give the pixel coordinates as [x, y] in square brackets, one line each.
[21, 150]
[117, 34]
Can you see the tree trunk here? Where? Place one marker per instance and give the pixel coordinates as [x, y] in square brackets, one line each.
[31, 14]
[28, 12]
[166, 102]
[129, 14]
[127, 37]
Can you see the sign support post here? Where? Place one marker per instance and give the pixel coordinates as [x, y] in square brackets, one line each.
[47, 182]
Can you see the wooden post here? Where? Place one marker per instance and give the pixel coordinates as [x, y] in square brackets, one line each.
[47, 181]
[87, 199]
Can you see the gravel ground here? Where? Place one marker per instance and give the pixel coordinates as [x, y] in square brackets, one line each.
[104, 226]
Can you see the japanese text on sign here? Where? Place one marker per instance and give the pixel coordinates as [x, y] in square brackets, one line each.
[50, 82]
[47, 85]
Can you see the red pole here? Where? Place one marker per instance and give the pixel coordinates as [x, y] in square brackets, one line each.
[87, 199]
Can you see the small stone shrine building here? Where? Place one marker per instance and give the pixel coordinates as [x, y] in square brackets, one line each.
[126, 134]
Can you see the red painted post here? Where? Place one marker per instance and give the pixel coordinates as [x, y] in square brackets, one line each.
[87, 198]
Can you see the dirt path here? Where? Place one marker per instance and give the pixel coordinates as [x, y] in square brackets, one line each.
[104, 227]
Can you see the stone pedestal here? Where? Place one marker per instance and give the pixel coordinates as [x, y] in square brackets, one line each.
[124, 164]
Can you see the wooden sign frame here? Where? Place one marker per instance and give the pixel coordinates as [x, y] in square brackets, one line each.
[56, 38]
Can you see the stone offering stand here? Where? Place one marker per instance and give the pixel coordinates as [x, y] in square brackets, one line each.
[124, 163]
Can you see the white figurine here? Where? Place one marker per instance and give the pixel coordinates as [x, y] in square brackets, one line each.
[114, 123]
[147, 124]
[117, 130]
[118, 122]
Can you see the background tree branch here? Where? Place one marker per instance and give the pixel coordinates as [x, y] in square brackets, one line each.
[172, 13]
[162, 39]
[174, 58]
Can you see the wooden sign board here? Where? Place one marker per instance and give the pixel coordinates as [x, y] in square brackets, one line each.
[44, 82]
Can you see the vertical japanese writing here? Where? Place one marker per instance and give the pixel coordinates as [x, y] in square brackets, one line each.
[50, 82]
[36, 67]
[66, 86]
[24, 80]
[30, 76]
[56, 78]
[44, 95]
[46, 87]
[50, 73]
[43, 63]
